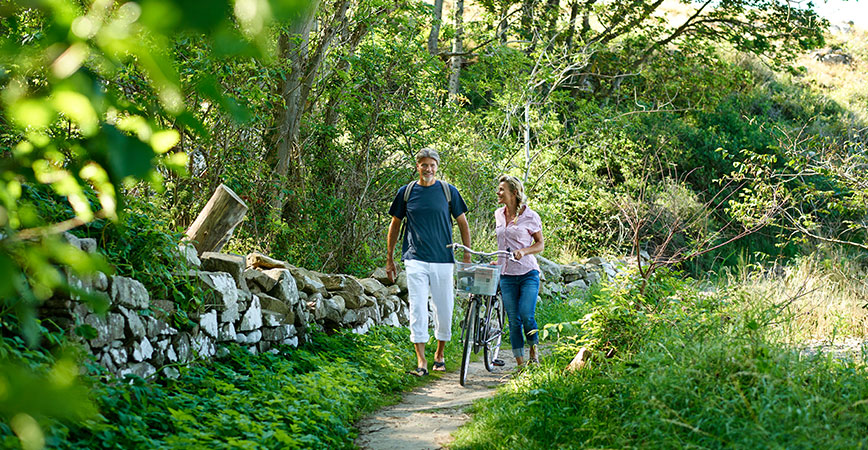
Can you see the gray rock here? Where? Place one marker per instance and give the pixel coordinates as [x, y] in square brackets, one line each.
[316, 306]
[334, 309]
[644, 255]
[106, 361]
[252, 317]
[274, 334]
[135, 327]
[351, 300]
[208, 323]
[252, 337]
[393, 290]
[225, 294]
[351, 316]
[116, 326]
[129, 292]
[596, 260]
[285, 288]
[204, 346]
[119, 356]
[570, 273]
[227, 333]
[223, 262]
[182, 347]
[292, 342]
[272, 319]
[272, 304]
[392, 320]
[373, 287]
[143, 369]
[189, 255]
[401, 281]
[157, 328]
[171, 354]
[71, 239]
[88, 245]
[260, 261]
[551, 270]
[103, 333]
[593, 277]
[171, 373]
[364, 328]
[380, 275]
[256, 278]
[576, 285]
[343, 283]
[163, 309]
[307, 281]
[142, 350]
[161, 345]
[609, 269]
[100, 281]
[80, 311]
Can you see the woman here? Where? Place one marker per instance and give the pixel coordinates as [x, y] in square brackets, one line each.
[519, 230]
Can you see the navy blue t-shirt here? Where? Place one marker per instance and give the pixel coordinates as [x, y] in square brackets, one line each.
[429, 227]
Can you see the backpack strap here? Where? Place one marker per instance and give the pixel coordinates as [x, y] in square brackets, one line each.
[407, 191]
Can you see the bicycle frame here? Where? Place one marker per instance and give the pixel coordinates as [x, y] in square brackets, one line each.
[483, 323]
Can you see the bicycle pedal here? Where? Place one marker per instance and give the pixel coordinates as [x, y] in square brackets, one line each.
[498, 362]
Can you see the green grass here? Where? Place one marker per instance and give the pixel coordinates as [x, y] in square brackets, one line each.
[704, 371]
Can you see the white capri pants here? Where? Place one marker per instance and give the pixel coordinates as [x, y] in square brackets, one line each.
[436, 278]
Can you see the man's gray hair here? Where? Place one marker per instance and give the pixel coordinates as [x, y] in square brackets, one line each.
[428, 152]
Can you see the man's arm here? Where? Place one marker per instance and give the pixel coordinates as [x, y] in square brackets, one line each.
[464, 229]
[391, 240]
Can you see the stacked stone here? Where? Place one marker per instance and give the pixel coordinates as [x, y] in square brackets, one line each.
[256, 301]
[574, 277]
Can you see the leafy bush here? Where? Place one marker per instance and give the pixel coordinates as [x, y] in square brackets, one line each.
[712, 376]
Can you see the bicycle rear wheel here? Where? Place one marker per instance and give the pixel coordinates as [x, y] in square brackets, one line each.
[493, 332]
[470, 327]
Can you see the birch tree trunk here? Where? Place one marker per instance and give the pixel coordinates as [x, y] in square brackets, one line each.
[457, 49]
[434, 36]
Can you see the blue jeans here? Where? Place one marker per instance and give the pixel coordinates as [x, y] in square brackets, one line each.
[519, 299]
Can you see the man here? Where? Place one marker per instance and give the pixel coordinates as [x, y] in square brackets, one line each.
[429, 210]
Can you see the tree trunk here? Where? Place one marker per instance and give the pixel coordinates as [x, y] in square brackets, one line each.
[503, 25]
[305, 65]
[457, 49]
[434, 36]
[527, 26]
[218, 219]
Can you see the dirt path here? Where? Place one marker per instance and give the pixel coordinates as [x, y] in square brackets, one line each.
[427, 416]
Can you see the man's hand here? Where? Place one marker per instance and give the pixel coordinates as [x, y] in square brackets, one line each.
[466, 257]
[391, 270]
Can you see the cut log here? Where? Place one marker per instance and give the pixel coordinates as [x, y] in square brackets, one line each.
[218, 219]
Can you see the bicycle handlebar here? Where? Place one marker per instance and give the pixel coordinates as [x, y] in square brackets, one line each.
[467, 249]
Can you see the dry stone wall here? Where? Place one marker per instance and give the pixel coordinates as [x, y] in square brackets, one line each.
[254, 300]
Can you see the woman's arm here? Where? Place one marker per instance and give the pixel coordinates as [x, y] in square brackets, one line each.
[537, 247]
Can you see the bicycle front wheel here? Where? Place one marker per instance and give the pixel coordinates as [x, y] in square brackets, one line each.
[470, 327]
[493, 331]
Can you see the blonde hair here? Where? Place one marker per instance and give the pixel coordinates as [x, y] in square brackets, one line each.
[517, 188]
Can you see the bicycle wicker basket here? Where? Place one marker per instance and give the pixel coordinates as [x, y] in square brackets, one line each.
[476, 278]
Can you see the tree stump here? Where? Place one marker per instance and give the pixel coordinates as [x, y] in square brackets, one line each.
[218, 219]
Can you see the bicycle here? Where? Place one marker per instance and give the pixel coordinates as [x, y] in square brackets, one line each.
[483, 323]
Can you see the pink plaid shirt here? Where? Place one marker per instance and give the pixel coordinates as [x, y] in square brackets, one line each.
[516, 236]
